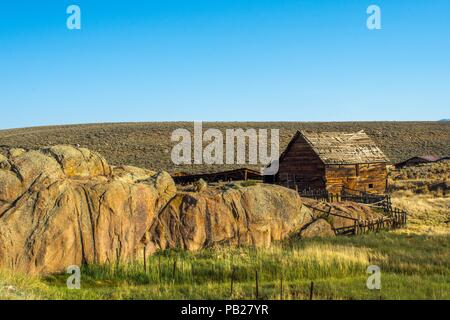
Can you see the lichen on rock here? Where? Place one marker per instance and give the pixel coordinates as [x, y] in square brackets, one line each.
[64, 205]
[256, 215]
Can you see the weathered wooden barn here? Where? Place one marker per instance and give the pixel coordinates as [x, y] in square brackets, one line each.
[418, 160]
[333, 161]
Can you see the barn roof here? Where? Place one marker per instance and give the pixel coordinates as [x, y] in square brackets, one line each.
[428, 158]
[344, 147]
[419, 159]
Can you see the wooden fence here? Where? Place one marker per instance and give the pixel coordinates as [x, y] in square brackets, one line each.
[397, 221]
[393, 219]
[359, 196]
[345, 195]
[319, 194]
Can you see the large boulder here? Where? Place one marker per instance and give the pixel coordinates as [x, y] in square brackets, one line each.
[255, 215]
[4, 163]
[318, 229]
[64, 206]
[79, 162]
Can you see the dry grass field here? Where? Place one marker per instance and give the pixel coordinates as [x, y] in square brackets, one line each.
[148, 145]
[424, 190]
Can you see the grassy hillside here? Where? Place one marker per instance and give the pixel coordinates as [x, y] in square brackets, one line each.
[148, 145]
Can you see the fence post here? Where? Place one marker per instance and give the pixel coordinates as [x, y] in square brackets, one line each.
[145, 260]
[396, 218]
[257, 285]
[159, 269]
[281, 286]
[174, 269]
[311, 291]
[232, 282]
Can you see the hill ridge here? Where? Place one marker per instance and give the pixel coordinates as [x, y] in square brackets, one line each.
[148, 144]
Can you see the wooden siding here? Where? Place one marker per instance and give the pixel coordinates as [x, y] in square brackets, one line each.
[371, 178]
[300, 166]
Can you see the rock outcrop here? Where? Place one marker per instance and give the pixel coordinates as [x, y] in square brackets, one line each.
[255, 215]
[66, 206]
[318, 228]
[63, 206]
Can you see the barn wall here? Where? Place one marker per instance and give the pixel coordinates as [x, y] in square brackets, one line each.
[371, 178]
[302, 167]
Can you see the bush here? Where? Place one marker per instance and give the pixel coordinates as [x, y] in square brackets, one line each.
[422, 189]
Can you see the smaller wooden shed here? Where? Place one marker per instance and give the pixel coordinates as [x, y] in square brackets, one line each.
[333, 161]
[418, 160]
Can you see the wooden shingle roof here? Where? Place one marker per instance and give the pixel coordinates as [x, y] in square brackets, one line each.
[344, 147]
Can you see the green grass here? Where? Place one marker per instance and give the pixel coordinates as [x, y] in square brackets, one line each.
[413, 266]
[414, 262]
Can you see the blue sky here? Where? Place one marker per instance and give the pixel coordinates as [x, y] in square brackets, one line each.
[223, 60]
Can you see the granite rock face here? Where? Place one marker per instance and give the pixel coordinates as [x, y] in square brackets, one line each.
[318, 228]
[64, 206]
[255, 215]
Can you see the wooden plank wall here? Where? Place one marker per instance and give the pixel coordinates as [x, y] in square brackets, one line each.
[302, 167]
[371, 178]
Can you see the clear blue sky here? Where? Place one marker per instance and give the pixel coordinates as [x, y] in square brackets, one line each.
[223, 60]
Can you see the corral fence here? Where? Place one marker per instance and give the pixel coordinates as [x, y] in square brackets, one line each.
[396, 221]
[346, 194]
[393, 218]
